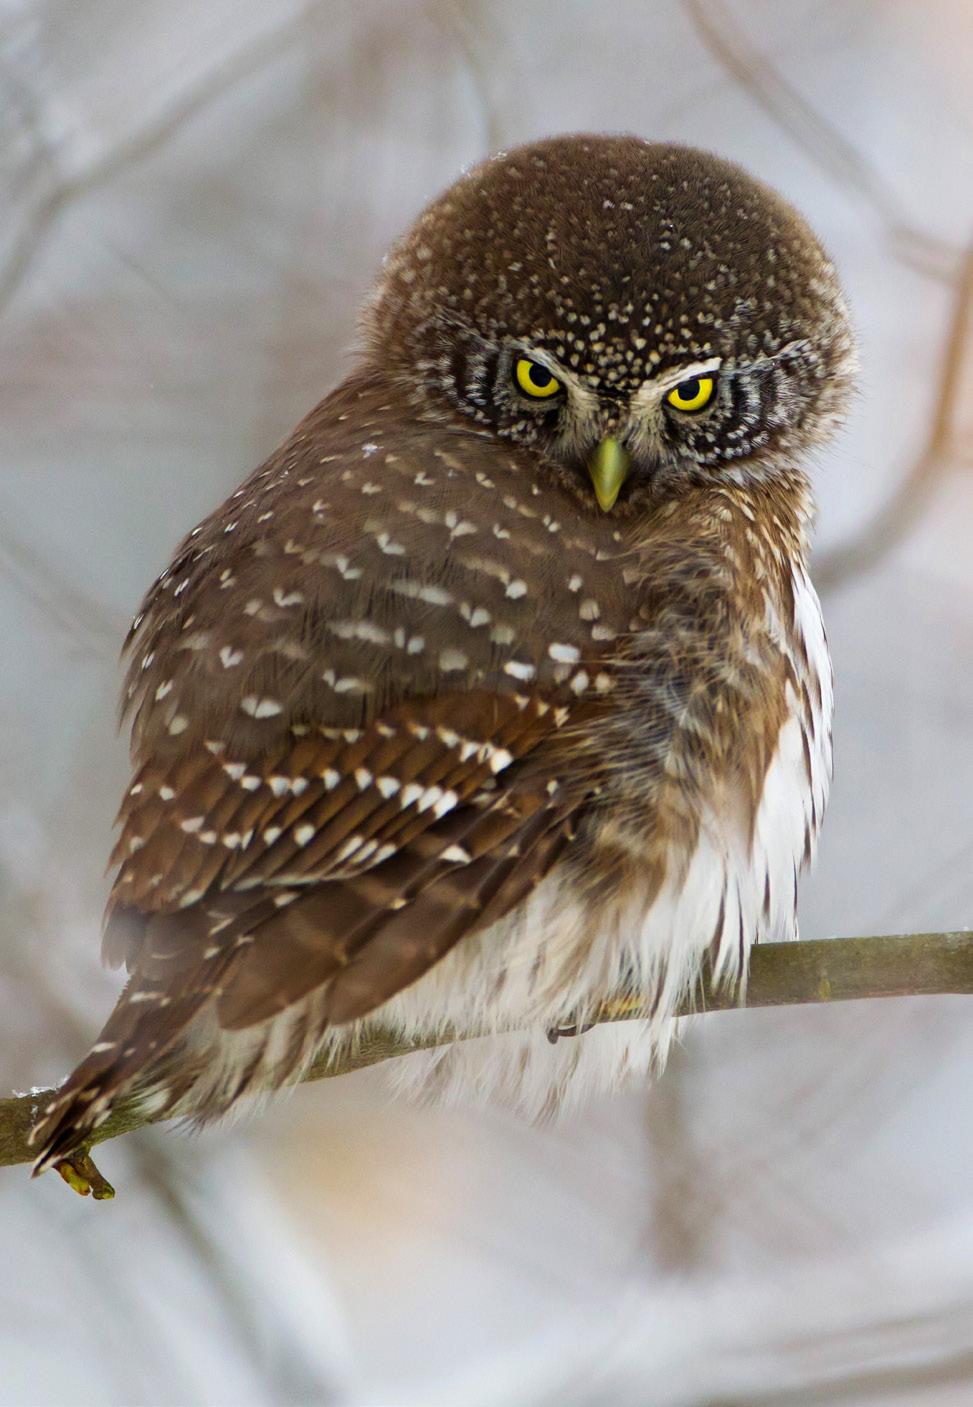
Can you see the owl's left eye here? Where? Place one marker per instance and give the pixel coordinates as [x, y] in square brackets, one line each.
[695, 393]
[535, 380]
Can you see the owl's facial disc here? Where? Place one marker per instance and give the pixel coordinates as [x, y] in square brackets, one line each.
[616, 435]
[590, 298]
[688, 391]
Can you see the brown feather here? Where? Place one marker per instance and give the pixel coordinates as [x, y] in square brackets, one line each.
[385, 686]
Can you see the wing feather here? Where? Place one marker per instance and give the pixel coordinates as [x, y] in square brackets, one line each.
[382, 890]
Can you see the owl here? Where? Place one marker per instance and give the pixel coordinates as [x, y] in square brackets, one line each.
[501, 687]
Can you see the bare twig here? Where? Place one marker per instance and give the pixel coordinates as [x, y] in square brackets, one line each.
[826, 144]
[87, 623]
[781, 974]
[188, 103]
[937, 456]
[466, 24]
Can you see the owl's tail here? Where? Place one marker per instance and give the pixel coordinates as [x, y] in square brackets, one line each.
[126, 1070]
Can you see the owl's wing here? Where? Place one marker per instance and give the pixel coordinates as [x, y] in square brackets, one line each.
[357, 857]
[350, 862]
[348, 701]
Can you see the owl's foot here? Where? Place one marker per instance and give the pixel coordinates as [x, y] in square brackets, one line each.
[80, 1174]
[577, 1029]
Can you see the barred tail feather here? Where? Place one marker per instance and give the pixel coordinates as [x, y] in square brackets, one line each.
[144, 1026]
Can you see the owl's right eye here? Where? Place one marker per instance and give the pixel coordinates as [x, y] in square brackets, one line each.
[535, 380]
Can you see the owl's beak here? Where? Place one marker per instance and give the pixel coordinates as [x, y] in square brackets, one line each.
[609, 468]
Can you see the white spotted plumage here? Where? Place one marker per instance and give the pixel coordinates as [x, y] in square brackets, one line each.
[425, 738]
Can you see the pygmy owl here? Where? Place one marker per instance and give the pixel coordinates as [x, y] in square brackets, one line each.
[501, 686]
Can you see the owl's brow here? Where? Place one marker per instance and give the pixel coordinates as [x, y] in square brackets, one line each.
[583, 394]
[789, 352]
[522, 348]
[656, 386]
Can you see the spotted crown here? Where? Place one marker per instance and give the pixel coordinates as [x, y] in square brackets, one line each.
[622, 259]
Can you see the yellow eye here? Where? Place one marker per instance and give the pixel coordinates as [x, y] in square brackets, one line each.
[693, 394]
[535, 380]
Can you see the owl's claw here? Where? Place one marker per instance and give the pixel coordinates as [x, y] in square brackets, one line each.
[577, 1029]
[81, 1175]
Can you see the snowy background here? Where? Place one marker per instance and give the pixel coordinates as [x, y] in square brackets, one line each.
[195, 199]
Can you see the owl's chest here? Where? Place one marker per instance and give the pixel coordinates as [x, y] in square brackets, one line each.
[720, 732]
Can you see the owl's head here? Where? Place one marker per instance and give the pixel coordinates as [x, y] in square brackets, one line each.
[641, 315]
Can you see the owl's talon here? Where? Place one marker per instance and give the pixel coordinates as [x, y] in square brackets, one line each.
[577, 1029]
[81, 1175]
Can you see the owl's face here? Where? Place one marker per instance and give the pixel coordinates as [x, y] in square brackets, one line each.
[643, 316]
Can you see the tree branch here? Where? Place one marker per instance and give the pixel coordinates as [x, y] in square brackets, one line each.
[780, 974]
[731, 46]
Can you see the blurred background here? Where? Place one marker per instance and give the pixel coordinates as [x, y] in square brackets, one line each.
[195, 199]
